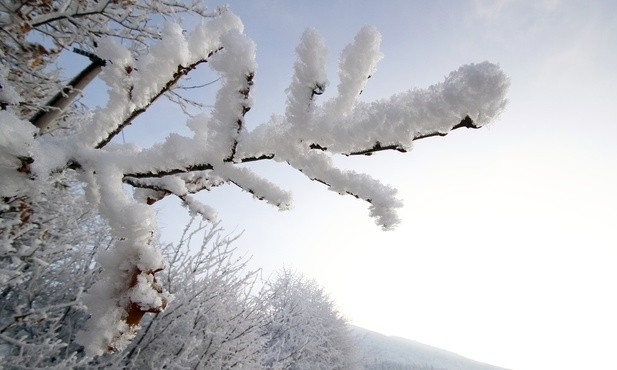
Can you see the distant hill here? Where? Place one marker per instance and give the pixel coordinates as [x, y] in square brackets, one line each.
[380, 352]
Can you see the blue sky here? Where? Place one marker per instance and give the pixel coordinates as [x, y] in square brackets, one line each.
[507, 248]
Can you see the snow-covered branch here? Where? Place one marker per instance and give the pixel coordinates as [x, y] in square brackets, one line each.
[220, 149]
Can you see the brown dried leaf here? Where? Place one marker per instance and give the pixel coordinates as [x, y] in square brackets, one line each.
[25, 27]
[36, 61]
[41, 49]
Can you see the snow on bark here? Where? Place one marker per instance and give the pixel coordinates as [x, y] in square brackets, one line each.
[357, 64]
[8, 95]
[236, 65]
[16, 146]
[261, 189]
[309, 79]
[474, 90]
[126, 288]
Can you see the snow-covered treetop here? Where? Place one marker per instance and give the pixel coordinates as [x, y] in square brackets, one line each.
[304, 136]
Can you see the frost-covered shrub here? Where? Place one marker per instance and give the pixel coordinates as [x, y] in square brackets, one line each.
[46, 265]
[304, 329]
[214, 320]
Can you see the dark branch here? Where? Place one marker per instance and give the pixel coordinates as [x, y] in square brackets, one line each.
[136, 184]
[197, 86]
[328, 185]
[245, 108]
[317, 146]
[164, 191]
[466, 122]
[191, 168]
[254, 159]
[46, 116]
[181, 71]
[85, 13]
[171, 171]
[377, 148]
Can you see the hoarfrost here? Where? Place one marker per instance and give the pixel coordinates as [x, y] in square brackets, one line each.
[305, 137]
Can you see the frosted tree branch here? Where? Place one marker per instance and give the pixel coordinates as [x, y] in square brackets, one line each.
[220, 148]
[136, 111]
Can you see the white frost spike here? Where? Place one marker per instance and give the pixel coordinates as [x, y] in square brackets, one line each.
[199, 125]
[113, 51]
[477, 89]
[259, 187]
[309, 78]
[474, 90]
[153, 69]
[92, 191]
[134, 88]
[357, 64]
[236, 63]
[197, 207]
[318, 166]
[205, 38]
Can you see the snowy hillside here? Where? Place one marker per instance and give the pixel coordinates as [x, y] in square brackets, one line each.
[380, 352]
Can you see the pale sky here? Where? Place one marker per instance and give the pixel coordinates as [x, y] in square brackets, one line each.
[507, 248]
